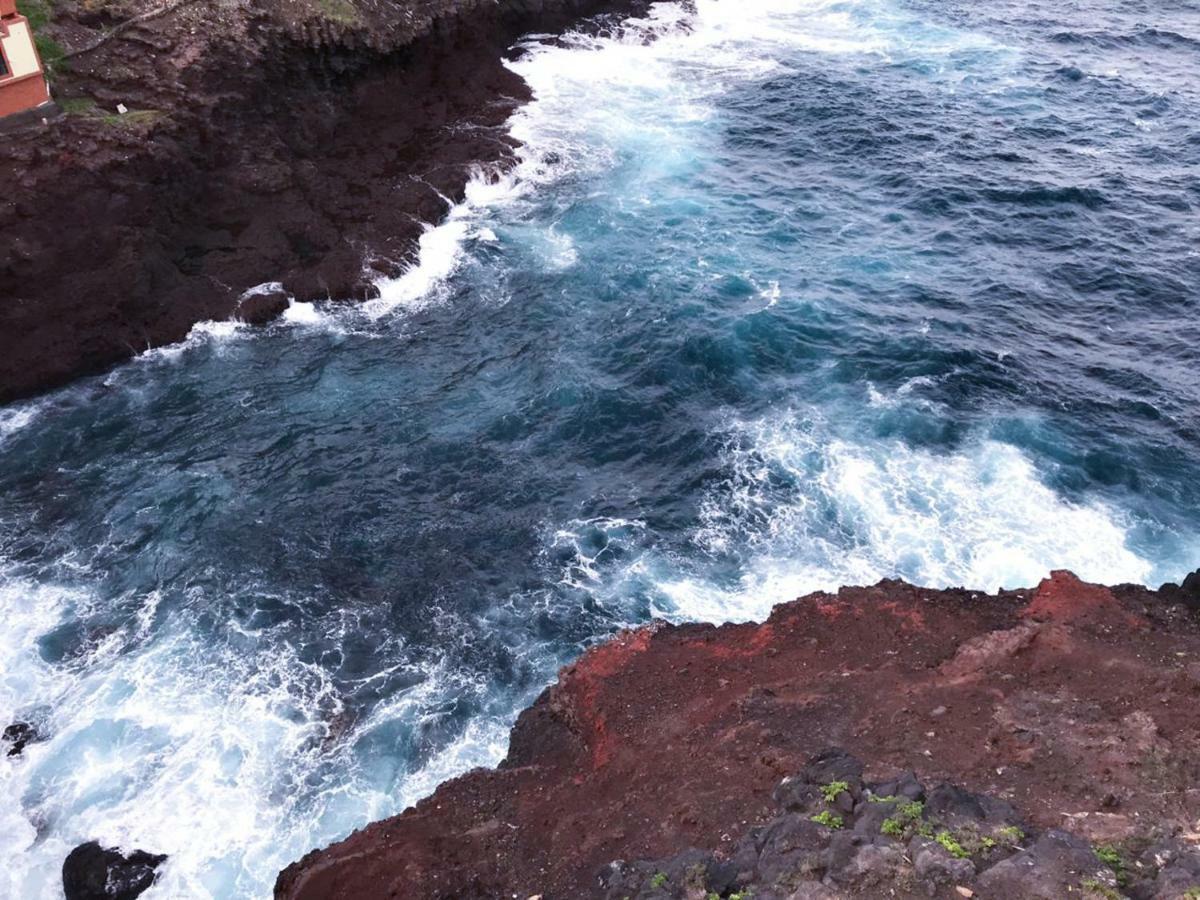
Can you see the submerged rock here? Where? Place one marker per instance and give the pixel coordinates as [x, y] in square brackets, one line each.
[92, 872]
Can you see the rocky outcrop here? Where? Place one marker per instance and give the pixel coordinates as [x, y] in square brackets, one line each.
[297, 141]
[92, 872]
[1032, 743]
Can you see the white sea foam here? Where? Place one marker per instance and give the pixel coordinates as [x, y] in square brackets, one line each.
[186, 747]
[16, 418]
[207, 333]
[803, 511]
[170, 739]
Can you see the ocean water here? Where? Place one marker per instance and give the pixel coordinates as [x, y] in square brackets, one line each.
[783, 294]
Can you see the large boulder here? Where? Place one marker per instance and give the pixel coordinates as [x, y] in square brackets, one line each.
[92, 872]
[1058, 865]
[259, 306]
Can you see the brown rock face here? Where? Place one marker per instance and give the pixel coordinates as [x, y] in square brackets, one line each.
[670, 738]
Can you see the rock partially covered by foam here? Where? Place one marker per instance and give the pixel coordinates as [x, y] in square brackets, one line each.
[259, 306]
[92, 872]
[18, 736]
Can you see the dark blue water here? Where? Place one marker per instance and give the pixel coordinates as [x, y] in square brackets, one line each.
[796, 295]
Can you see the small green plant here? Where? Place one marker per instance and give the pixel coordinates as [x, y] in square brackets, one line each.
[912, 810]
[659, 880]
[833, 790]
[1110, 856]
[907, 815]
[987, 843]
[1010, 834]
[875, 799]
[1192, 893]
[829, 820]
[742, 895]
[951, 845]
[1099, 889]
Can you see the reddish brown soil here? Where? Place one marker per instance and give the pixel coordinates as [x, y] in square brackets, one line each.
[1076, 703]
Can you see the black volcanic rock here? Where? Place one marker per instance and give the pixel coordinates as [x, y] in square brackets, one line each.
[286, 145]
[261, 307]
[18, 736]
[92, 872]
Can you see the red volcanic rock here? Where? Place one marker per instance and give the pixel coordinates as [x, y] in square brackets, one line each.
[669, 745]
[1064, 598]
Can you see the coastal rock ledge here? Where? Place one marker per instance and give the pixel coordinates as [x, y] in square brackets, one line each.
[881, 741]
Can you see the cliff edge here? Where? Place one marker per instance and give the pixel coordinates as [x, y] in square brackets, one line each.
[207, 147]
[881, 741]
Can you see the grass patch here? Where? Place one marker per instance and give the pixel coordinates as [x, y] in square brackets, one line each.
[86, 108]
[40, 14]
[135, 118]
[659, 880]
[78, 106]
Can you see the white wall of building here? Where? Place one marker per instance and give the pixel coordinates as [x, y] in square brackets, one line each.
[18, 50]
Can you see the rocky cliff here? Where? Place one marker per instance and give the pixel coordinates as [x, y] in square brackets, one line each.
[882, 741]
[299, 141]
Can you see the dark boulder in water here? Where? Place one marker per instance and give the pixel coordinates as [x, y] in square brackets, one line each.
[92, 872]
[18, 736]
[261, 307]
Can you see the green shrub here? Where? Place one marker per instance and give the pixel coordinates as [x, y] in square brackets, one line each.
[892, 828]
[1110, 856]
[951, 845]
[833, 790]
[829, 820]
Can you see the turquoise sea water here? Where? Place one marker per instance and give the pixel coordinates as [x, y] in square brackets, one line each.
[782, 295]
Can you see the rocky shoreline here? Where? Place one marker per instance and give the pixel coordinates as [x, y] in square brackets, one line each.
[306, 142]
[883, 741]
